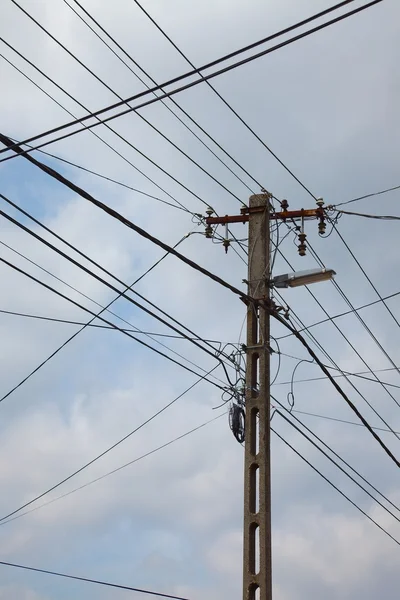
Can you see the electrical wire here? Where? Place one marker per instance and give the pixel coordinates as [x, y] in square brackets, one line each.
[129, 56]
[322, 349]
[364, 324]
[343, 373]
[342, 314]
[110, 448]
[335, 487]
[353, 407]
[55, 175]
[397, 187]
[340, 458]
[101, 477]
[369, 216]
[87, 580]
[328, 418]
[48, 287]
[98, 326]
[86, 257]
[124, 139]
[53, 82]
[182, 77]
[353, 348]
[359, 265]
[135, 329]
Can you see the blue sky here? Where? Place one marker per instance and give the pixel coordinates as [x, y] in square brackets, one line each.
[328, 107]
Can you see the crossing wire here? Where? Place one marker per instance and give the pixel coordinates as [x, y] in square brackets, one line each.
[342, 314]
[175, 80]
[97, 265]
[323, 350]
[103, 141]
[350, 344]
[174, 102]
[135, 330]
[127, 222]
[97, 316]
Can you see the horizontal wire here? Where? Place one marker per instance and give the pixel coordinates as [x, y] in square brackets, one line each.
[309, 414]
[98, 326]
[369, 216]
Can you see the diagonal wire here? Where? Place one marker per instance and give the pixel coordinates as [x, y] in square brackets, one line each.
[109, 449]
[109, 473]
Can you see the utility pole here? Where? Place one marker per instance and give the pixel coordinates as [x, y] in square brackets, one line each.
[257, 563]
[257, 567]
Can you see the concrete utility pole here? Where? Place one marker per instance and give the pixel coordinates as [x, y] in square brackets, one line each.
[257, 567]
[257, 564]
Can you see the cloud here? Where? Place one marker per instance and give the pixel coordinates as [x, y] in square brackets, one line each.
[328, 107]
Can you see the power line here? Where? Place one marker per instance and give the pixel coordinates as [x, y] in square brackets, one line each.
[360, 375]
[353, 407]
[367, 278]
[110, 448]
[128, 464]
[309, 414]
[124, 139]
[316, 342]
[162, 101]
[362, 321]
[351, 345]
[75, 334]
[98, 326]
[87, 580]
[340, 458]
[178, 204]
[397, 187]
[180, 78]
[86, 257]
[135, 330]
[369, 216]
[124, 220]
[335, 487]
[342, 314]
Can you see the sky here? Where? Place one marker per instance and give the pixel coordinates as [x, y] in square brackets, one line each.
[327, 106]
